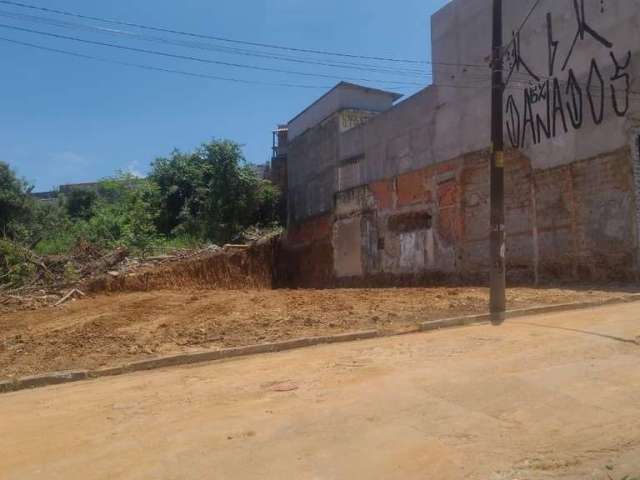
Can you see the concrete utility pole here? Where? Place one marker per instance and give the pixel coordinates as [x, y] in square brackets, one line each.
[498, 246]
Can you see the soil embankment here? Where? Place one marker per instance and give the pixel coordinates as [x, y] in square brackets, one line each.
[110, 329]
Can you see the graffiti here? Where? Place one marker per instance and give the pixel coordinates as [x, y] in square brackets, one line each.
[552, 105]
[583, 28]
[593, 82]
[619, 75]
[552, 45]
[516, 62]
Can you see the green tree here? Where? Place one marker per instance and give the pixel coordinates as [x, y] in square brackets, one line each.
[79, 202]
[178, 178]
[212, 193]
[125, 213]
[16, 204]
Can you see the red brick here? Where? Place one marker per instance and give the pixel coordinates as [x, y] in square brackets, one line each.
[383, 194]
[311, 231]
[412, 188]
[448, 194]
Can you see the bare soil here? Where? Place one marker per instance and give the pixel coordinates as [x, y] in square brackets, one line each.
[106, 330]
[547, 397]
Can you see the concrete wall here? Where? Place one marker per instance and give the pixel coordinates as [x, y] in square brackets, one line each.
[540, 58]
[413, 181]
[343, 96]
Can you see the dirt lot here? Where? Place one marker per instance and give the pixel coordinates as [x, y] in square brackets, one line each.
[545, 397]
[108, 330]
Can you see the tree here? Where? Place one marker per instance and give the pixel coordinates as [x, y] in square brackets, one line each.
[79, 202]
[16, 203]
[178, 178]
[212, 193]
[125, 213]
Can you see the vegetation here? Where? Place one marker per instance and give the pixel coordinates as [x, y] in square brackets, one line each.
[210, 195]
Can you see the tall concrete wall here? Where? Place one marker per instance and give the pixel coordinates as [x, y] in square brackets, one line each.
[406, 193]
[567, 97]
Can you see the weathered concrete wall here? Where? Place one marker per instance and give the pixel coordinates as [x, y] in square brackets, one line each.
[413, 181]
[312, 171]
[568, 96]
[574, 222]
[343, 96]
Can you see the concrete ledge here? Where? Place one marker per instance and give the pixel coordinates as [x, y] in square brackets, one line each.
[524, 312]
[176, 360]
[57, 378]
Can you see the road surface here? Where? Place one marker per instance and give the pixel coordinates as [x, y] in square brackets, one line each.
[554, 396]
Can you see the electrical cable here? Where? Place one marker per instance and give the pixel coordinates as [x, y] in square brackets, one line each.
[229, 40]
[204, 60]
[160, 69]
[209, 47]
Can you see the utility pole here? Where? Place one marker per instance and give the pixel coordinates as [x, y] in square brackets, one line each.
[498, 246]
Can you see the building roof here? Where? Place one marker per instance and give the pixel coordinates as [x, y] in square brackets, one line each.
[347, 85]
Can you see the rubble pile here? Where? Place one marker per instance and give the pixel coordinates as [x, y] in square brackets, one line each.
[29, 281]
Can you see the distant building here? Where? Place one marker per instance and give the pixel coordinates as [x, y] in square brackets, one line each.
[52, 196]
[261, 170]
[278, 170]
[46, 197]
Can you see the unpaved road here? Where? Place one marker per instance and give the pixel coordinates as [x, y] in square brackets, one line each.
[109, 330]
[554, 396]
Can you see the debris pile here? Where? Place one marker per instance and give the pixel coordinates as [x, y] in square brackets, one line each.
[29, 281]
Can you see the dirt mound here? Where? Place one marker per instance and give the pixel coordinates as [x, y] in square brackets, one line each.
[109, 329]
[234, 267]
[87, 270]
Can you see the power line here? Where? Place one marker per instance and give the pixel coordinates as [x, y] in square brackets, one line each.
[209, 47]
[160, 69]
[476, 86]
[229, 40]
[476, 82]
[195, 74]
[535, 5]
[205, 60]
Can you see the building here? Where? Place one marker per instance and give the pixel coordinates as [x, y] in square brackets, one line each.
[52, 196]
[278, 171]
[382, 191]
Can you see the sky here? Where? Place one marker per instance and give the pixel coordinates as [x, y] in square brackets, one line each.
[65, 119]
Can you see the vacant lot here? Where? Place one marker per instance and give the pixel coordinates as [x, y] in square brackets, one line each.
[546, 397]
[111, 329]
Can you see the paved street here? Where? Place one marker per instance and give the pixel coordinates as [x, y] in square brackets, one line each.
[554, 396]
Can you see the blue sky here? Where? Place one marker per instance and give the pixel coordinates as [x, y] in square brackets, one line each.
[65, 119]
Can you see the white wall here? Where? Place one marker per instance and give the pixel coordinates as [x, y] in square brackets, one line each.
[461, 34]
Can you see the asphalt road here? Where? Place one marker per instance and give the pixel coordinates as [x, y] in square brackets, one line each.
[554, 396]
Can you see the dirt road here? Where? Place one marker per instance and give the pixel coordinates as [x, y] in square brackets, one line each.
[554, 396]
[109, 330]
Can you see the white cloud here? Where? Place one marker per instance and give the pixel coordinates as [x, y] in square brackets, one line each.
[134, 169]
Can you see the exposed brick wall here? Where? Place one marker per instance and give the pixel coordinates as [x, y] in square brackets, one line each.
[412, 188]
[305, 255]
[604, 218]
[313, 230]
[383, 193]
[575, 222]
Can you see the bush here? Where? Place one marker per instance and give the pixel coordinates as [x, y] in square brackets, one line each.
[15, 203]
[79, 203]
[16, 267]
[208, 195]
[212, 193]
[124, 214]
